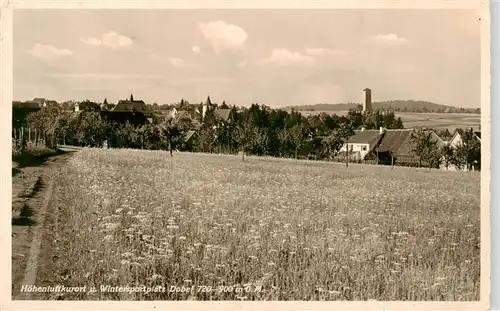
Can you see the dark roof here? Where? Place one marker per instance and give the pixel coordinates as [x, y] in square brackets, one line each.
[367, 89]
[399, 141]
[223, 113]
[127, 105]
[26, 105]
[365, 136]
[393, 140]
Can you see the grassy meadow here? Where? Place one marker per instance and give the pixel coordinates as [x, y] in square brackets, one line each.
[450, 121]
[280, 229]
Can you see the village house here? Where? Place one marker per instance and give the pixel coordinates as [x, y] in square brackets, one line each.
[454, 143]
[360, 144]
[132, 111]
[383, 146]
[189, 141]
[105, 106]
[222, 115]
[21, 110]
[396, 148]
[456, 140]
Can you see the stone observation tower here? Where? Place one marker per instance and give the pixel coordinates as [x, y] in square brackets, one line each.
[367, 104]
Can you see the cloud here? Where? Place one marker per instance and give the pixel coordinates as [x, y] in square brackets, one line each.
[321, 51]
[91, 41]
[196, 49]
[49, 52]
[388, 39]
[282, 57]
[110, 39]
[177, 62]
[223, 37]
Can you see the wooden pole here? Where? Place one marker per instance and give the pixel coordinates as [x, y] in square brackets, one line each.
[347, 156]
[29, 134]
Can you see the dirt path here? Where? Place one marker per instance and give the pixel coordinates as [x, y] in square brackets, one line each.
[31, 197]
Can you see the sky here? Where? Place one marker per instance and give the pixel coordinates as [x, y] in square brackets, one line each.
[272, 57]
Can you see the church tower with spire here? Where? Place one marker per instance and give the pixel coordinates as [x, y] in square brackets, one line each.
[206, 106]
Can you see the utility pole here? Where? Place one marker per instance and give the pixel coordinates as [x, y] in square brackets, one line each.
[347, 155]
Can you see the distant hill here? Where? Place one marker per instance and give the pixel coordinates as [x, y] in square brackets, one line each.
[396, 105]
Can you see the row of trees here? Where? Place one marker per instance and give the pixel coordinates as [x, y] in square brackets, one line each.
[466, 155]
[257, 130]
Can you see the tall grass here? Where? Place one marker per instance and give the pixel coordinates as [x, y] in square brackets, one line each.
[282, 230]
[31, 149]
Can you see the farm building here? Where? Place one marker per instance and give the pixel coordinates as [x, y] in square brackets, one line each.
[224, 115]
[221, 114]
[359, 145]
[383, 146]
[456, 140]
[132, 111]
[21, 110]
[105, 106]
[131, 105]
[189, 141]
[396, 148]
[454, 143]
[136, 112]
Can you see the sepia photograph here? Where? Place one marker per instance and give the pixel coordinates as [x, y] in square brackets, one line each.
[248, 155]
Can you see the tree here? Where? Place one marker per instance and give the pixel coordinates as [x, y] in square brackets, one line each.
[91, 129]
[244, 136]
[172, 133]
[468, 151]
[295, 137]
[87, 105]
[45, 122]
[425, 147]
[448, 156]
[331, 145]
[397, 123]
[258, 141]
